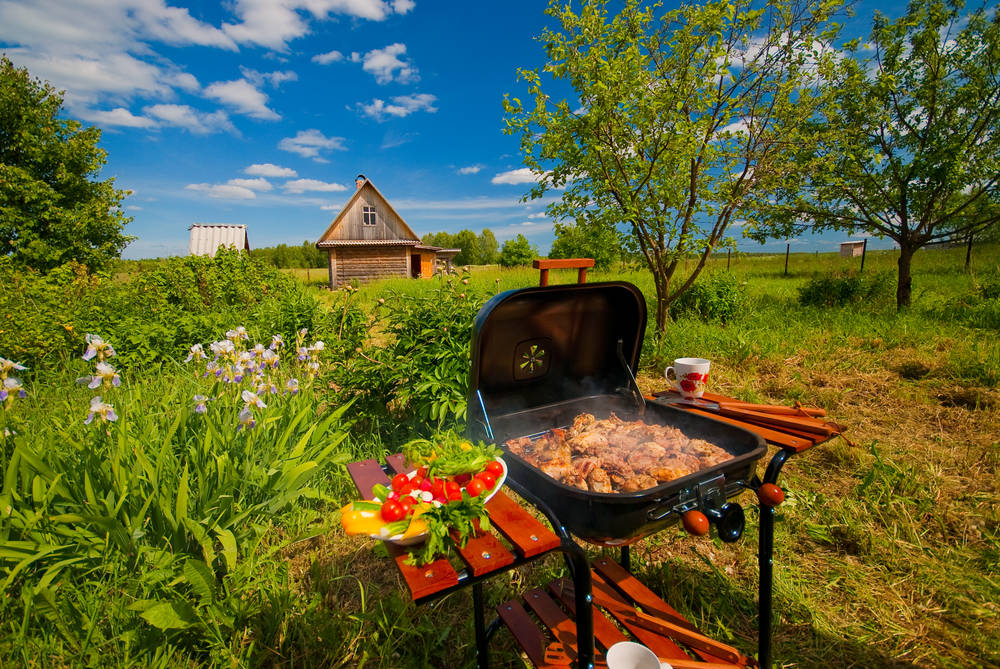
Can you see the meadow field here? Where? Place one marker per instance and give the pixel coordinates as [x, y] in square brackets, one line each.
[173, 537]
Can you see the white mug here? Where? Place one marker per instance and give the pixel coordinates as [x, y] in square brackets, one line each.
[690, 374]
[630, 655]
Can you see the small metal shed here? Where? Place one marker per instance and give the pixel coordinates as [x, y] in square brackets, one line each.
[851, 249]
[206, 239]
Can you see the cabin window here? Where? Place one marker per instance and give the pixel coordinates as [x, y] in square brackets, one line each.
[368, 215]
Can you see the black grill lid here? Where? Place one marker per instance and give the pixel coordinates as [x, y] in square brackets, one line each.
[536, 346]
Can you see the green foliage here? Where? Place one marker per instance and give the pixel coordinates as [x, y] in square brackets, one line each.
[907, 149]
[52, 208]
[476, 250]
[681, 122]
[718, 297]
[416, 377]
[601, 243]
[517, 251]
[842, 289]
[180, 501]
[156, 314]
[291, 257]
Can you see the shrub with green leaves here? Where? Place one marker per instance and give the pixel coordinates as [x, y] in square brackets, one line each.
[842, 289]
[173, 481]
[717, 297]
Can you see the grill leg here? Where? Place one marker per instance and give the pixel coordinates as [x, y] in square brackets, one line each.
[482, 642]
[626, 559]
[580, 570]
[765, 561]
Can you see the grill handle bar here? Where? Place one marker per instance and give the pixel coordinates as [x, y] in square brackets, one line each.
[640, 402]
[486, 416]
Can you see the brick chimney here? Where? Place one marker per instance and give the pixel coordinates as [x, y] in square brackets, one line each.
[359, 181]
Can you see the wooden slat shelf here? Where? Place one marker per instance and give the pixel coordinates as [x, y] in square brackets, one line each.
[482, 554]
[624, 609]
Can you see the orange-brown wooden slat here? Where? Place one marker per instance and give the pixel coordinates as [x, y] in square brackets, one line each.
[562, 627]
[522, 627]
[661, 645]
[650, 602]
[521, 528]
[484, 553]
[365, 474]
[605, 632]
[771, 435]
[626, 613]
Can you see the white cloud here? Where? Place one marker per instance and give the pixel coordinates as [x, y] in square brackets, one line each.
[739, 127]
[522, 175]
[401, 106]
[270, 170]
[183, 116]
[223, 191]
[328, 57]
[119, 116]
[275, 78]
[471, 169]
[273, 23]
[243, 97]
[538, 214]
[261, 184]
[309, 143]
[332, 207]
[386, 65]
[303, 185]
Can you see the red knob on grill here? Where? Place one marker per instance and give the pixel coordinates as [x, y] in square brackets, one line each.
[695, 522]
[770, 495]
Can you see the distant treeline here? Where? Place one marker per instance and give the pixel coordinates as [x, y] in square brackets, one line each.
[481, 249]
[285, 256]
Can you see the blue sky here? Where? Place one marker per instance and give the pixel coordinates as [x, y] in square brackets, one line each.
[262, 111]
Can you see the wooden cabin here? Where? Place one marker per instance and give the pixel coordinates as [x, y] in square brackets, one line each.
[851, 249]
[205, 240]
[369, 240]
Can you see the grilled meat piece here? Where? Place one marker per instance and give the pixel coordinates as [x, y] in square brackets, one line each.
[613, 455]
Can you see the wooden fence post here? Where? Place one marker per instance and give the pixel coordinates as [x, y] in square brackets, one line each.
[968, 253]
[729, 253]
[788, 248]
[864, 250]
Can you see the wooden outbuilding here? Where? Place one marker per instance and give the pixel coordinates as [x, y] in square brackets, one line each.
[369, 240]
[205, 240]
[851, 249]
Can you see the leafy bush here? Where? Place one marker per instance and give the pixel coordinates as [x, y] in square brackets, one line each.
[415, 372]
[843, 289]
[719, 297]
[175, 492]
[153, 315]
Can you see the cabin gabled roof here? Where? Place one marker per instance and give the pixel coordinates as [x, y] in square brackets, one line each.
[325, 241]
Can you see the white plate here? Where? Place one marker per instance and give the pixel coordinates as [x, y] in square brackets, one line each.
[418, 538]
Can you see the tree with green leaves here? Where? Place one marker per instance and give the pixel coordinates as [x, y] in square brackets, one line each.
[53, 209]
[909, 148]
[518, 251]
[602, 243]
[476, 250]
[682, 124]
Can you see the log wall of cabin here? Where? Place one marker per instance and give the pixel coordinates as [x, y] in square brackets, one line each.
[363, 263]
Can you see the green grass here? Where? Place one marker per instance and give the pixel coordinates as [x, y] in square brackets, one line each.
[887, 548]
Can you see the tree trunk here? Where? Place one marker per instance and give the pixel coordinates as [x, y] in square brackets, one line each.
[661, 307]
[905, 280]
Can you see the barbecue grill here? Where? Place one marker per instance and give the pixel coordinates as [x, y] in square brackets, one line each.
[541, 356]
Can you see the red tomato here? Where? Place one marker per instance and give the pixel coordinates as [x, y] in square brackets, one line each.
[494, 468]
[422, 472]
[407, 503]
[450, 487]
[393, 511]
[455, 496]
[437, 489]
[406, 489]
[399, 480]
[417, 481]
[476, 487]
[462, 479]
[488, 479]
